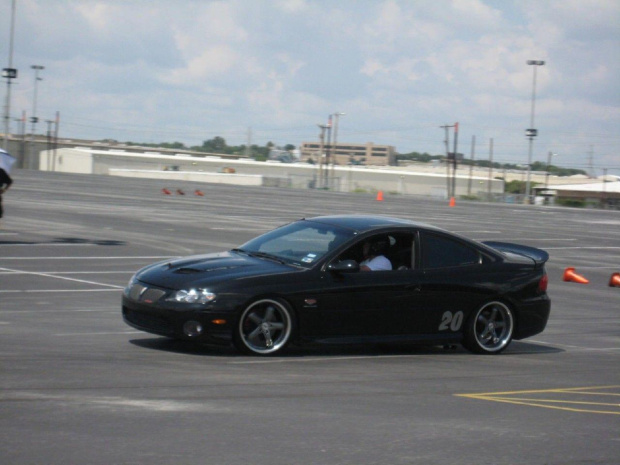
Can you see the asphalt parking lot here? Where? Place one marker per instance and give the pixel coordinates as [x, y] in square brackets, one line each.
[79, 386]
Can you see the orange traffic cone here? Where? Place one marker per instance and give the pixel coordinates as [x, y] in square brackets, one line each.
[166, 191]
[380, 196]
[615, 280]
[571, 276]
[452, 202]
[180, 192]
[199, 192]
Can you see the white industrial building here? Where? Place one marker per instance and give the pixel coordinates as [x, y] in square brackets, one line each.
[243, 171]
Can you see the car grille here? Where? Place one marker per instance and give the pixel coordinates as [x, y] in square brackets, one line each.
[141, 293]
[149, 322]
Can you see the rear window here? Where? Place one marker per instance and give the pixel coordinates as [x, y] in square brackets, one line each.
[441, 252]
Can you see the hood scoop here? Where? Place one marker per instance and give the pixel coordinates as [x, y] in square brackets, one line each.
[188, 270]
[200, 265]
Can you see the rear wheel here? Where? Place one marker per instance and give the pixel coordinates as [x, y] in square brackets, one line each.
[265, 327]
[489, 331]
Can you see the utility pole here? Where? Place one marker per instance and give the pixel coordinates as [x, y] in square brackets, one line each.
[604, 195]
[337, 115]
[248, 143]
[33, 118]
[447, 160]
[591, 162]
[56, 140]
[456, 138]
[49, 123]
[551, 154]
[489, 184]
[321, 148]
[328, 150]
[471, 167]
[9, 73]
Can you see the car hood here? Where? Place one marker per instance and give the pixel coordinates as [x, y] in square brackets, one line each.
[201, 270]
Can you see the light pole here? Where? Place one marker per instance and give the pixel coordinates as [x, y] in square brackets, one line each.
[337, 115]
[531, 133]
[551, 154]
[321, 147]
[33, 118]
[9, 73]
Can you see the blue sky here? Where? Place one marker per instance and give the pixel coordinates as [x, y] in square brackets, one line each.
[190, 70]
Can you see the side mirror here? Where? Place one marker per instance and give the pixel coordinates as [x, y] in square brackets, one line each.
[344, 266]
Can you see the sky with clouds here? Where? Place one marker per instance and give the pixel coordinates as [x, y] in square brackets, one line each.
[191, 70]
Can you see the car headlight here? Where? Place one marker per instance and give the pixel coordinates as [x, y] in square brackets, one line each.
[130, 284]
[192, 296]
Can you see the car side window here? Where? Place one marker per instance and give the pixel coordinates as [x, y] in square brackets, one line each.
[440, 252]
[398, 248]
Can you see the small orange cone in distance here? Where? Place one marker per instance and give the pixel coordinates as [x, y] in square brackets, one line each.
[452, 202]
[571, 276]
[166, 191]
[380, 196]
[614, 280]
[199, 192]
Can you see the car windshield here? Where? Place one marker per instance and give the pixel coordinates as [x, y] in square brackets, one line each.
[302, 243]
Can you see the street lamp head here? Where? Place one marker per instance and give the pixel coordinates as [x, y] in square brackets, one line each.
[535, 62]
[37, 67]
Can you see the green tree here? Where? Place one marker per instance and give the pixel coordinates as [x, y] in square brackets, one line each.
[215, 145]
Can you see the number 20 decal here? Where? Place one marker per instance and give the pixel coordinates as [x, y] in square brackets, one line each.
[451, 321]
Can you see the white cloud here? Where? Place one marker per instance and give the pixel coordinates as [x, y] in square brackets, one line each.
[396, 67]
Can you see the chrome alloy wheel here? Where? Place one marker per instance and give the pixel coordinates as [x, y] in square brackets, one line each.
[265, 327]
[491, 329]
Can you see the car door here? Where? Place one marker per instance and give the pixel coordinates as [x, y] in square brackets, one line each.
[374, 303]
[453, 282]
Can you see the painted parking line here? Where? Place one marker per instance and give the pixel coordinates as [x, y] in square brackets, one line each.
[47, 291]
[102, 333]
[47, 244]
[316, 359]
[128, 257]
[578, 399]
[584, 248]
[569, 346]
[48, 275]
[70, 272]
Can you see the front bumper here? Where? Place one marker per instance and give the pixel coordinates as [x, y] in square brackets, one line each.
[216, 327]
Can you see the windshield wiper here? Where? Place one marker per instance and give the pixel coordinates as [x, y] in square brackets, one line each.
[266, 256]
[241, 251]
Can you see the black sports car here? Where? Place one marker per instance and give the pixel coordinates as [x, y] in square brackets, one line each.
[303, 282]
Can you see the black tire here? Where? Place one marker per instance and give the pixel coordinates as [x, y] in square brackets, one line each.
[490, 328]
[265, 327]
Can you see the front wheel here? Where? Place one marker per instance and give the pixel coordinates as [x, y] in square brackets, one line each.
[489, 331]
[265, 327]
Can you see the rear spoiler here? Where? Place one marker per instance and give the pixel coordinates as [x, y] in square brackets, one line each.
[539, 256]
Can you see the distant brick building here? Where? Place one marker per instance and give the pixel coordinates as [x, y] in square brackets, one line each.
[351, 154]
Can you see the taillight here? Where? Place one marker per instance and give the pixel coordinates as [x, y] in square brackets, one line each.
[543, 283]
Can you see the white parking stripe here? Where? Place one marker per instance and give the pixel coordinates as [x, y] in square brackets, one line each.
[40, 291]
[46, 244]
[583, 248]
[47, 275]
[322, 359]
[129, 257]
[99, 334]
[71, 272]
